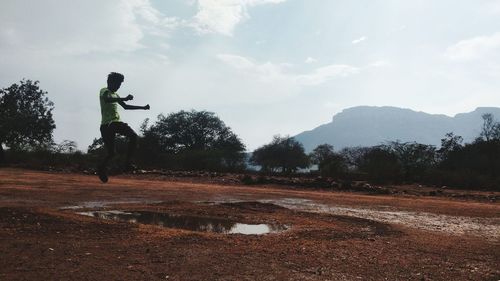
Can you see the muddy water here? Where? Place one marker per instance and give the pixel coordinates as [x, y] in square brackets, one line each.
[106, 203]
[488, 228]
[192, 223]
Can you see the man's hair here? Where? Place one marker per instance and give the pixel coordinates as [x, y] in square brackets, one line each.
[115, 77]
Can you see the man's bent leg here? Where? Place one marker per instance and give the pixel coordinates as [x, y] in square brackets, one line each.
[125, 130]
[108, 137]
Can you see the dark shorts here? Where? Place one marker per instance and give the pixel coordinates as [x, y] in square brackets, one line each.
[109, 131]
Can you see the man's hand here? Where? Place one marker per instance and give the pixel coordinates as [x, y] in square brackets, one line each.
[146, 107]
[129, 97]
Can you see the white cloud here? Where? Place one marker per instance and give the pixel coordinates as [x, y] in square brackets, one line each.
[222, 16]
[474, 48]
[270, 72]
[150, 19]
[265, 72]
[380, 63]
[70, 46]
[311, 60]
[398, 29]
[237, 62]
[323, 74]
[492, 8]
[80, 27]
[359, 40]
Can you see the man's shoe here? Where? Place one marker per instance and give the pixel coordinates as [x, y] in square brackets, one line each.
[101, 173]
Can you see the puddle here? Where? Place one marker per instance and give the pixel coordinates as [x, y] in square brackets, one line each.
[192, 223]
[488, 228]
[105, 203]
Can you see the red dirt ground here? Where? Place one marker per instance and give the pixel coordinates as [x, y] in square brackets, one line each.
[333, 235]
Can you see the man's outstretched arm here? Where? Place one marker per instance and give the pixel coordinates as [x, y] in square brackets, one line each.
[121, 101]
[132, 107]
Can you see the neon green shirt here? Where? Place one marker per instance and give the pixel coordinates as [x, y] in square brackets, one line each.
[109, 111]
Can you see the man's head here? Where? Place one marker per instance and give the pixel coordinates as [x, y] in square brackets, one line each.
[115, 80]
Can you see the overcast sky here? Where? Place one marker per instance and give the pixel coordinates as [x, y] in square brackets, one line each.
[266, 67]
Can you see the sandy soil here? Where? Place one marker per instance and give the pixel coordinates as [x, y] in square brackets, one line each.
[332, 235]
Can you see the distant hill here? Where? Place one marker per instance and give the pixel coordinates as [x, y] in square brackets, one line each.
[370, 125]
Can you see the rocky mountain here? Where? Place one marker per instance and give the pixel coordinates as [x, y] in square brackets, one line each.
[370, 125]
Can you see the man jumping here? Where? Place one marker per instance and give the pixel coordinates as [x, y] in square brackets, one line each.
[111, 124]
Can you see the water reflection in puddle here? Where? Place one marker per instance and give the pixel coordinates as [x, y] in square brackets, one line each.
[188, 222]
[105, 203]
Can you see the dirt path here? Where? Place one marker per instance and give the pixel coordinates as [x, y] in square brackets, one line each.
[330, 236]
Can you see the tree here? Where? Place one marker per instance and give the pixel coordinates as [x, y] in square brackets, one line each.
[490, 129]
[283, 154]
[473, 165]
[66, 146]
[381, 165]
[329, 163]
[25, 117]
[354, 156]
[321, 154]
[198, 138]
[96, 146]
[416, 159]
[449, 143]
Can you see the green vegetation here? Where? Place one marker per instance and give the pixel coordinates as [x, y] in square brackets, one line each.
[472, 165]
[283, 154]
[199, 140]
[194, 140]
[26, 122]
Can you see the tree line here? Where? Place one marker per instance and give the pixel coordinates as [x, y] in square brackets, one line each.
[199, 140]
